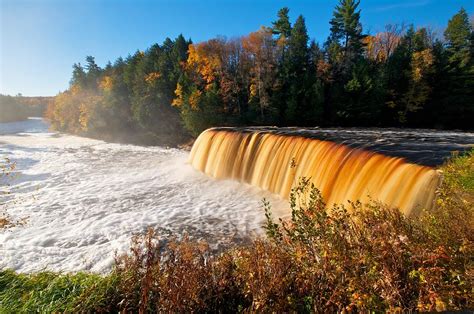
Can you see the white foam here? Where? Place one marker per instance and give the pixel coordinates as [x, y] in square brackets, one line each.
[83, 199]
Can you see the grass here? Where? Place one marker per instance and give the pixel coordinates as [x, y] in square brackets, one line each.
[459, 176]
[363, 258]
[49, 292]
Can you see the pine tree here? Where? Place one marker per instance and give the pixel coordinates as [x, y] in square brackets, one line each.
[93, 72]
[298, 63]
[344, 49]
[346, 28]
[458, 35]
[282, 26]
[298, 51]
[78, 75]
[457, 108]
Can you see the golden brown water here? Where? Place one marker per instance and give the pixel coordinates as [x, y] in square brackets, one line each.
[276, 162]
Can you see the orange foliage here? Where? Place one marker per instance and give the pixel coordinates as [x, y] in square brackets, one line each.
[106, 83]
[260, 48]
[382, 45]
[152, 77]
[204, 58]
[178, 101]
[323, 69]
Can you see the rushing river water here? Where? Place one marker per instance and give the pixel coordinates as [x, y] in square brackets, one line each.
[76, 201]
[81, 200]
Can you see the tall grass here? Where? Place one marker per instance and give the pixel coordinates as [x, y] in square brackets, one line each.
[365, 257]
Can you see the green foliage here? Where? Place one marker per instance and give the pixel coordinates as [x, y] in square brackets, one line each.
[282, 26]
[458, 173]
[48, 292]
[346, 28]
[458, 35]
[16, 108]
[129, 100]
[451, 221]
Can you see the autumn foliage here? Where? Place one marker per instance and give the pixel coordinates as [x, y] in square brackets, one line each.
[401, 76]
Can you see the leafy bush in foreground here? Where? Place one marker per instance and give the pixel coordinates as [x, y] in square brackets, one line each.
[365, 257]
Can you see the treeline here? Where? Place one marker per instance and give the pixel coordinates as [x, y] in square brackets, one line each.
[132, 97]
[403, 76]
[17, 108]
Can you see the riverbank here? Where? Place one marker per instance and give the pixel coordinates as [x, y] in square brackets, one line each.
[326, 260]
[19, 108]
[133, 137]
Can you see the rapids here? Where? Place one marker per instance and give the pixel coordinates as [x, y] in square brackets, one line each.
[83, 199]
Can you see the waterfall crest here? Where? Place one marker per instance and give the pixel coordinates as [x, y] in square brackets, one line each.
[275, 162]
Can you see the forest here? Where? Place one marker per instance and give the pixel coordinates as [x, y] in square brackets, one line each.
[16, 108]
[403, 76]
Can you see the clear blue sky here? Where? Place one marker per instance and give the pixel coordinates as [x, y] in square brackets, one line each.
[41, 39]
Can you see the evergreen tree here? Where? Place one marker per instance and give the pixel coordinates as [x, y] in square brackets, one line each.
[282, 26]
[458, 37]
[316, 81]
[297, 64]
[78, 76]
[346, 29]
[457, 107]
[93, 72]
[345, 50]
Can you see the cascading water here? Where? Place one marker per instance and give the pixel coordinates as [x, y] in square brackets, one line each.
[275, 162]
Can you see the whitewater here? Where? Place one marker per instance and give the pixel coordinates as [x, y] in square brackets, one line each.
[78, 201]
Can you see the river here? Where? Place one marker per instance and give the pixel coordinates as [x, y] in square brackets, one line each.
[76, 201]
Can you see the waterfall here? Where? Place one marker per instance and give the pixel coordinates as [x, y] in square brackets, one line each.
[275, 162]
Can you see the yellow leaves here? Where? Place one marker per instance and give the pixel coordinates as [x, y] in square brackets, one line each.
[381, 46]
[391, 104]
[89, 108]
[152, 77]
[84, 116]
[178, 101]
[374, 49]
[194, 99]
[76, 110]
[421, 63]
[204, 58]
[440, 305]
[75, 89]
[106, 83]
[369, 42]
[253, 90]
